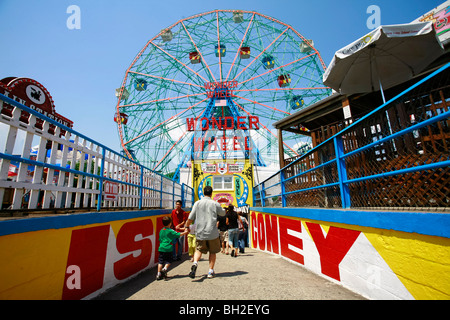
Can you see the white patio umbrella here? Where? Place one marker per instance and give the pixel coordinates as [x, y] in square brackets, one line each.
[385, 57]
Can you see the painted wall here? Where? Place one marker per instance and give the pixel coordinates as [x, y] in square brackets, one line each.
[381, 255]
[76, 256]
[407, 258]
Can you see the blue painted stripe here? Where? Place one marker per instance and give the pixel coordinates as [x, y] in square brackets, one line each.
[8, 227]
[433, 224]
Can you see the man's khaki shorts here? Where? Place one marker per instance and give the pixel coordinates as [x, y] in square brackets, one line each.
[211, 246]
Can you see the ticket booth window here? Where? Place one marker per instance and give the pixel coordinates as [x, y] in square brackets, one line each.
[223, 183]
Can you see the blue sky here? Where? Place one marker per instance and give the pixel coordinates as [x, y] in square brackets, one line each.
[81, 68]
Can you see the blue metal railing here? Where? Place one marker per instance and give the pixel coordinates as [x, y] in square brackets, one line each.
[46, 180]
[382, 160]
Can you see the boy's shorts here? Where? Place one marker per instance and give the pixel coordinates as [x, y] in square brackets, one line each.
[223, 235]
[165, 258]
[211, 246]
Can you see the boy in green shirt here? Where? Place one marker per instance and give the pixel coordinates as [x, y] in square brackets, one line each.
[166, 237]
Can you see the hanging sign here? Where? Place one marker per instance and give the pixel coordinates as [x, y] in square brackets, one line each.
[209, 167]
[225, 123]
[220, 89]
[32, 94]
[111, 190]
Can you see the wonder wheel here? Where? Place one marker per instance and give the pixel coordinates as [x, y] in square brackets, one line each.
[199, 81]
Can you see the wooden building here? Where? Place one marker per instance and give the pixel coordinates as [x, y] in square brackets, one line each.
[327, 117]
[428, 145]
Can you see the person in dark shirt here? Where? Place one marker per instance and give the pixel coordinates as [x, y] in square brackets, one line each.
[243, 236]
[233, 230]
[223, 232]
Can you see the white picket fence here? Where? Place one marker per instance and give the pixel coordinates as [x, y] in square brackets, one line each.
[53, 166]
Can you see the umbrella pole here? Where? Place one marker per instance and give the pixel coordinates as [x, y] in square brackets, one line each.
[381, 90]
[372, 47]
[387, 115]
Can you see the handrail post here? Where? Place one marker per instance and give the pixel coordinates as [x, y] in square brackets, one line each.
[141, 188]
[102, 168]
[161, 193]
[342, 172]
[182, 194]
[262, 194]
[283, 197]
[253, 198]
[173, 193]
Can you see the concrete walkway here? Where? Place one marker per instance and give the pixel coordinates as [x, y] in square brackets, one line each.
[254, 275]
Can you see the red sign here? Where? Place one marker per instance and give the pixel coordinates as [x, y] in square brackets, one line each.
[226, 123]
[235, 143]
[226, 87]
[280, 236]
[111, 190]
[32, 94]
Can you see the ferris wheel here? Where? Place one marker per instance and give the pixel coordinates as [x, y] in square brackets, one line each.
[214, 66]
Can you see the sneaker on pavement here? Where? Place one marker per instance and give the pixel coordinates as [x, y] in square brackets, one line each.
[193, 270]
[211, 274]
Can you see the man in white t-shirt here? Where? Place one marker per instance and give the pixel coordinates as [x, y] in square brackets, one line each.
[204, 213]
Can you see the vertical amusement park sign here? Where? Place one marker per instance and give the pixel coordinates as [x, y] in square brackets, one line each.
[225, 133]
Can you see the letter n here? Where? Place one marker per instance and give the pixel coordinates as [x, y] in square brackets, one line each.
[271, 233]
[215, 124]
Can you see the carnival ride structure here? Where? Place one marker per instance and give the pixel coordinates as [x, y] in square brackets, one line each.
[210, 86]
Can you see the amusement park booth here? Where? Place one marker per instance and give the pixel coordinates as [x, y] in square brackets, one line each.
[231, 180]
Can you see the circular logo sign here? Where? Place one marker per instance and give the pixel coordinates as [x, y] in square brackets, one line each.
[35, 94]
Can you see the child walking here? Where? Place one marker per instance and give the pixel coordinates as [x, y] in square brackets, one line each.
[191, 241]
[166, 237]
